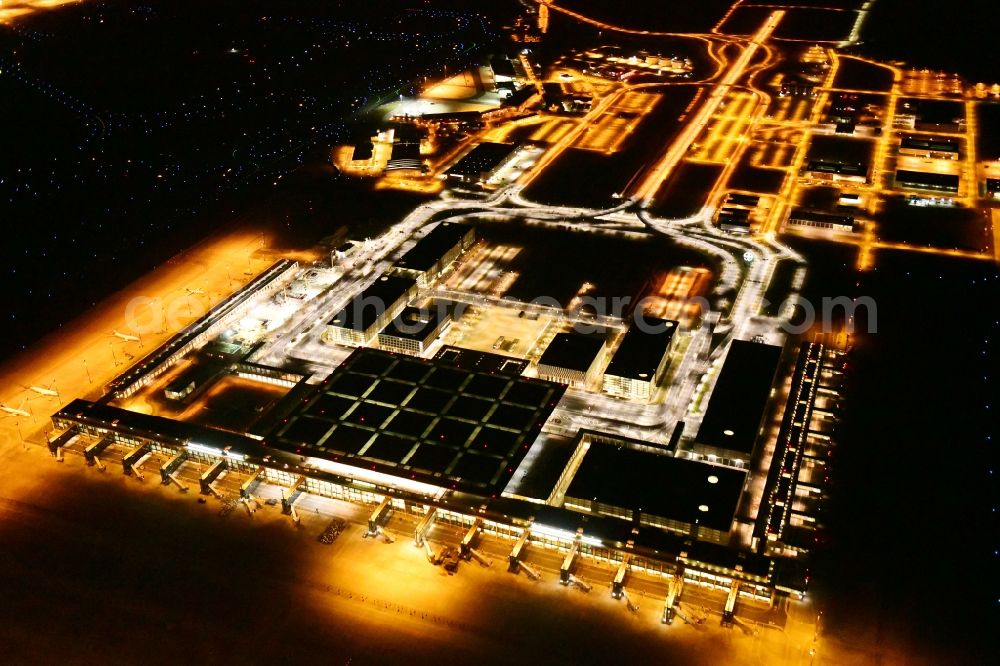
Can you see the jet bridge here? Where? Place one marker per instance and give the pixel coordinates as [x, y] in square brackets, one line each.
[92, 452]
[566, 570]
[379, 516]
[289, 496]
[423, 526]
[168, 473]
[618, 582]
[246, 490]
[131, 461]
[211, 474]
[729, 611]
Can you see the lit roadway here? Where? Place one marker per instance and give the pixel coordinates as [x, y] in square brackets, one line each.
[694, 126]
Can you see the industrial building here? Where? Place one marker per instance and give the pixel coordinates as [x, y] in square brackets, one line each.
[939, 148]
[734, 220]
[574, 359]
[738, 403]
[930, 115]
[839, 159]
[933, 182]
[641, 360]
[435, 252]
[804, 217]
[415, 329]
[641, 484]
[482, 162]
[370, 311]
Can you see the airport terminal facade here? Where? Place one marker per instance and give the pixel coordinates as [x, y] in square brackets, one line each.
[441, 436]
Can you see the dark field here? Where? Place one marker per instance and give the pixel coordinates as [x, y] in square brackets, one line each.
[745, 20]
[756, 179]
[940, 36]
[918, 392]
[820, 197]
[664, 16]
[946, 228]
[686, 190]
[816, 25]
[133, 131]
[556, 274]
[857, 75]
[988, 139]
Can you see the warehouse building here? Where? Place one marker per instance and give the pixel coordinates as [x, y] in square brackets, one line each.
[938, 148]
[370, 311]
[933, 182]
[435, 252]
[574, 359]
[482, 162]
[804, 217]
[641, 359]
[738, 403]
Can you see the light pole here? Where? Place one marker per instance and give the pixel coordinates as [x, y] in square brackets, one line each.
[89, 379]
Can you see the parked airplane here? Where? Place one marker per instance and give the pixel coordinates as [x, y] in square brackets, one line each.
[16, 411]
[126, 337]
[43, 390]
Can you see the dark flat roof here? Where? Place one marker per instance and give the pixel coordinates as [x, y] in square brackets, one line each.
[179, 432]
[736, 407]
[837, 150]
[196, 373]
[743, 199]
[934, 181]
[819, 216]
[415, 323]
[484, 157]
[642, 348]
[933, 111]
[742, 213]
[471, 359]
[924, 143]
[365, 308]
[573, 351]
[675, 488]
[429, 249]
[422, 419]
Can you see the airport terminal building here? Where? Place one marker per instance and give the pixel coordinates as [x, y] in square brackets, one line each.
[435, 252]
[370, 311]
[641, 360]
[738, 404]
[574, 359]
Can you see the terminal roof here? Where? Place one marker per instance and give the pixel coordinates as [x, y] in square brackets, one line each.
[362, 311]
[673, 488]
[573, 351]
[432, 247]
[415, 323]
[422, 418]
[736, 407]
[642, 348]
